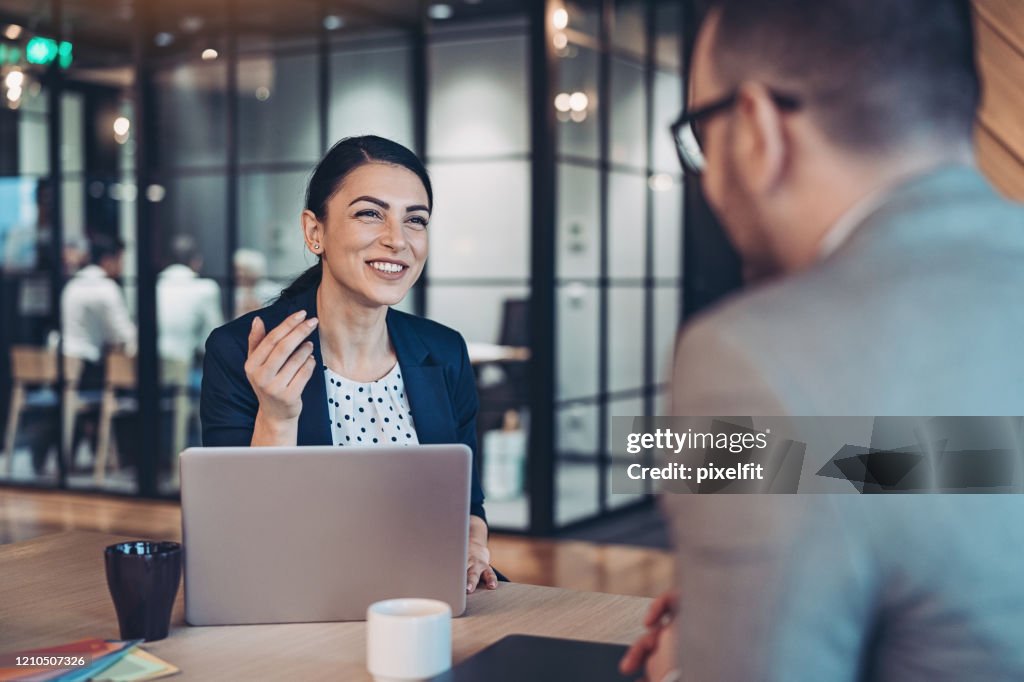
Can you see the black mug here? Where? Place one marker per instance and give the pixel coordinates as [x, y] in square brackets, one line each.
[143, 578]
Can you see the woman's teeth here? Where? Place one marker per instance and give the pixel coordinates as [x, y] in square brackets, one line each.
[387, 267]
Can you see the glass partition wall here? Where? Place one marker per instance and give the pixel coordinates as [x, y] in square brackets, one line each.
[555, 245]
[618, 284]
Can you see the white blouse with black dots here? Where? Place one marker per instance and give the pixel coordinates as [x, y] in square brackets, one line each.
[374, 413]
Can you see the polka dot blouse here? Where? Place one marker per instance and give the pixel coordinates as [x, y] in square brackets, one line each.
[371, 414]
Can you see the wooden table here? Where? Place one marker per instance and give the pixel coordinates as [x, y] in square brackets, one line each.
[53, 590]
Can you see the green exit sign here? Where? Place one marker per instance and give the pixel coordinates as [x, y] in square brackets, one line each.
[45, 51]
[9, 55]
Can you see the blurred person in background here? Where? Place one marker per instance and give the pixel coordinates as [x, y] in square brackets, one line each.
[188, 306]
[834, 142]
[93, 309]
[252, 288]
[95, 320]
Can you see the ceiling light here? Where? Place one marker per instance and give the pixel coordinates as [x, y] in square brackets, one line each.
[163, 39]
[562, 101]
[209, 54]
[12, 32]
[560, 41]
[15, 79]
[263, 93]
[578, 101]
[440, 12]
[156, 193]
[332, 22]
[191, 24]
[560, 18]
[121, 126]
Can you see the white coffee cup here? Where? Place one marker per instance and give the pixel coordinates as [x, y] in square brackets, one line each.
[408, 639]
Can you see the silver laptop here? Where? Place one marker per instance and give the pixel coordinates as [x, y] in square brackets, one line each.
[303, 534]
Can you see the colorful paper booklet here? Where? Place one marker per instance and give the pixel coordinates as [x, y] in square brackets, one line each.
[86, 659]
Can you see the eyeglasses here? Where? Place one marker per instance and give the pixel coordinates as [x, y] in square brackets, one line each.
[688, 130]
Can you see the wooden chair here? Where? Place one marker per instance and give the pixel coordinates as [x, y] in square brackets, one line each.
[121, 375]
[174, 374]
[33, 366]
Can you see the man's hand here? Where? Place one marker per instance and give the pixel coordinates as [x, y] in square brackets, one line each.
[653, 652]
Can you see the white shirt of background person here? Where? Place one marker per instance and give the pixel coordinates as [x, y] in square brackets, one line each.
[94, 315]
[188, 308]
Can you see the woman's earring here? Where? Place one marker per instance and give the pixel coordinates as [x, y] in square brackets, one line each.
[316, 247]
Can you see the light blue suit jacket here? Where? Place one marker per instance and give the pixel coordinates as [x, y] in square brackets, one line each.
[920, 312]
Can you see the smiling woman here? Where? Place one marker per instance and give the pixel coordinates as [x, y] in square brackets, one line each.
[330, 363]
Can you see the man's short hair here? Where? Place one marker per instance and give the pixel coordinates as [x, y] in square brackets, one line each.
[184, 250]
[104, 246]
[874, 73]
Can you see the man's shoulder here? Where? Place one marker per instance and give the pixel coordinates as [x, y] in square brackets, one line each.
[758, 314]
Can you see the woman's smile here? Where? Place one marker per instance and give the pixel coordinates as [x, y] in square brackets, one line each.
[387, 269]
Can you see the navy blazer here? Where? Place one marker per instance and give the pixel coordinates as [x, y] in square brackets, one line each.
[435, 366]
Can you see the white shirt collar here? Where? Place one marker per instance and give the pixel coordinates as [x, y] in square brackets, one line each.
[91, 272]
[855, 216]
[847, 224]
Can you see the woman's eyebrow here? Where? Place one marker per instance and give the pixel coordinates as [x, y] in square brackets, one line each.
[373, 200]
[417, 207]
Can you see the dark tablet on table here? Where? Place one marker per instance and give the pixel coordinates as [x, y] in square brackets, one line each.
[516, 658]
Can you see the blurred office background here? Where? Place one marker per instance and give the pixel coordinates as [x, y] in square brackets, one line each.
[565, 245]
[187, 130]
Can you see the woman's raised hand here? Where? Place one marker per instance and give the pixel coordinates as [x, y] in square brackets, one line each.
[279, 365]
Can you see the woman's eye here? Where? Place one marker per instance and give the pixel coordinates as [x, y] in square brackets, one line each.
[368, 213]
[418, 221]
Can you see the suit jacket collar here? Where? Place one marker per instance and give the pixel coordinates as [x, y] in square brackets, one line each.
[948, 183]
[423, 377]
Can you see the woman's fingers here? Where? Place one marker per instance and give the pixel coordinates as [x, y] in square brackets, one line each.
[473, 576]
[490, 578]
[286, 346]
[259, 350]
[256, 333]
[287, 373]
[280, 364]
[302, 376]
[259, 353]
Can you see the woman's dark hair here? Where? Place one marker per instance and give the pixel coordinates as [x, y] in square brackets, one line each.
[344, 157]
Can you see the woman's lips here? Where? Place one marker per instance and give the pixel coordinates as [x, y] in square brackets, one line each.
[388, 270]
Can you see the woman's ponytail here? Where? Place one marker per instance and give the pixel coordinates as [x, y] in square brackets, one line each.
[309, 279]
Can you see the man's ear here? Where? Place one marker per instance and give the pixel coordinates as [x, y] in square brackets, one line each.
[761, 145]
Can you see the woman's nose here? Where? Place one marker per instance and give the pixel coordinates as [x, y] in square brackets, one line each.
[394, 235]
